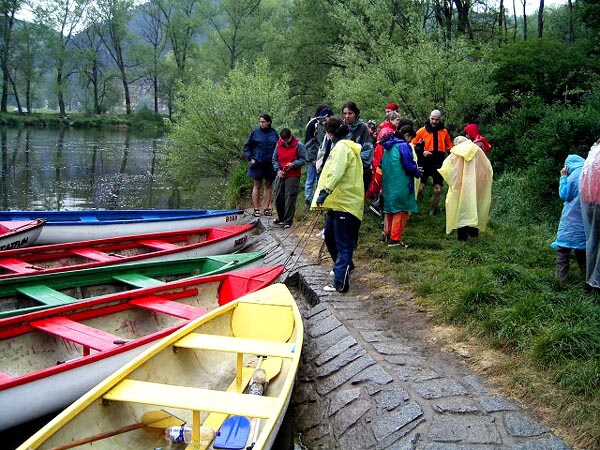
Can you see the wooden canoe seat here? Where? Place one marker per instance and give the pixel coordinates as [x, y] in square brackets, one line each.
[46, 295]
[93, 254]
[138, 280]
[18, 266]
[193, 399]
[165, 306]
[79, 333]
[160, 245]
[4, 377]
[237, 345]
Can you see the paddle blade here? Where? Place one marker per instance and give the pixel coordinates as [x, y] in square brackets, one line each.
[160, 419]
[233, 434]
[271, 366]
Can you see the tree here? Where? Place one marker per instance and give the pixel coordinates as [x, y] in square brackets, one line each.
[8, 9]
[63, 18]
[112, 20]
[540, 18]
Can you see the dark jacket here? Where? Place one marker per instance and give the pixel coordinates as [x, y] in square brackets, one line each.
[261, 144]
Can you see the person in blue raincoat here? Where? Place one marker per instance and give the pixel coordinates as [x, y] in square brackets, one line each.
[571, 232]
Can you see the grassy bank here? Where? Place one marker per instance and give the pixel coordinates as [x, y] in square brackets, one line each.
[143, 119]
[500, 291]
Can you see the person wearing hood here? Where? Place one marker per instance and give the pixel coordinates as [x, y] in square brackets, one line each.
[472, 132]
[468, 173]
[288, 158]
[432, 143]
[359, 133]
[571, 233]
[589, 192]
[340, 191]
[314, 136]
[399, 170]
[258, 150]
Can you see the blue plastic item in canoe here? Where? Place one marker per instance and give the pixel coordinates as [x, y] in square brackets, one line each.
[233, 434]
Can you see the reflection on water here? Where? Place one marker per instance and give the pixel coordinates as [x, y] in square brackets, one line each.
[92, 169]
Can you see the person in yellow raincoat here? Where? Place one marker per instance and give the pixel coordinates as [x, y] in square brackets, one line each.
[340, 191]
[468, 173]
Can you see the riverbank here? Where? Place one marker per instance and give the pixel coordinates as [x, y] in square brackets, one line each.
[141, 120]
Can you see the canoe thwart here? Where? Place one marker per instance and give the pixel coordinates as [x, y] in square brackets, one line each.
[193, 399]
[162, 305]
[138, 280]
[236, 345]
[79, 333]
[46, 295]
[93, 254]
[18, 266]
[4, 377]
[160, 245]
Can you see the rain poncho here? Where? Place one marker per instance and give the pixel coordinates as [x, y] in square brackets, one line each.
[342, 176]
[468, 173]
[571, 233]
[399, 171]
[589, 188]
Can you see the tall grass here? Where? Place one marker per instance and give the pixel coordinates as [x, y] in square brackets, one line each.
[501, 288]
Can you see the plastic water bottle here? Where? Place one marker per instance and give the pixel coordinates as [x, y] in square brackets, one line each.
[258, 382]
[183, 434]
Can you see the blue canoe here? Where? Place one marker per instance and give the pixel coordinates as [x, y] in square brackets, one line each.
[72, 226]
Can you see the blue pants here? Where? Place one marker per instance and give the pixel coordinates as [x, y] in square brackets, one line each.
[311, 180]
[341, 237]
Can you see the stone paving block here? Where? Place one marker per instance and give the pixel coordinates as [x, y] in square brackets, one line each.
[337, 348]
[365, 324]
[549, 443]
[404, 360]
[518, 424]
[497, 403]
[351, 313]
[374, 336]
[449, 446]
[317, 346]
[342, 306]
[340, 361]
[320, 437]
[317, 309]
[473, 382]
[464, 429]
[375, 373]
[309, 416]
[458, 405]
[349, 415]
[371, 387]
[390, 398]
[416, 373]
[386, 424]
[438, 388]
[392, 348]
[356, 438]
[303, 393]
[324, 326]
[405, 438]
[328, 384]
[339, 399]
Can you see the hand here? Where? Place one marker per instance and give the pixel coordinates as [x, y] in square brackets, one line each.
[564, 171]
[288, 166]
[322, 196]
[427, 153]
[281, 173]
[252, 161]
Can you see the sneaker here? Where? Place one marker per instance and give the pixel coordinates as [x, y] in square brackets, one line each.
[331, 273]
[329, 288]
[277, 222]
[397, 244]
[321, 234]
[286, 225]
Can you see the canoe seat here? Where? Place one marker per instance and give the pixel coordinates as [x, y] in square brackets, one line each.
[237, 345]
[46, 295]
[193, 399]
[79, 333]
[18, 266]
[138, 280]
[4, 378]
[165, 306]
[160, 245]
[95, 255]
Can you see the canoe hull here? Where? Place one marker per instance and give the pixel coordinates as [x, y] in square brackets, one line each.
[71, 226]
[23, 235]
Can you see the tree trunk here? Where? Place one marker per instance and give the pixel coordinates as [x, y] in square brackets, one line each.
[524, 2]
[515, 21]
[7, 26]
[541, 20]
[463, 26]
[60, 96]
[570, 32]
[501, 21]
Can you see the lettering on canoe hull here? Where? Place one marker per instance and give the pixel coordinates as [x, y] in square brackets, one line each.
[15, 244]
[240, 241]
[233, 218]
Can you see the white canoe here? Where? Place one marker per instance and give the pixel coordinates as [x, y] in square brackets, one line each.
[19, 233]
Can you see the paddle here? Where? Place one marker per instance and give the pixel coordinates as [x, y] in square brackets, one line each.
[154, 419]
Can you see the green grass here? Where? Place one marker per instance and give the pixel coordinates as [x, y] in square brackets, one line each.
[501, 288]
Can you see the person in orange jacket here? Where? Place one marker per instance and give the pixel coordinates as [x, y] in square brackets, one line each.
[432, 143]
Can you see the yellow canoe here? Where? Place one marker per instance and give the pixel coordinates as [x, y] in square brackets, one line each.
[198, 376]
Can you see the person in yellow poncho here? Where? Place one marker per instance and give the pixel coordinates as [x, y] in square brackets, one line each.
[468, 173]
[341, 192]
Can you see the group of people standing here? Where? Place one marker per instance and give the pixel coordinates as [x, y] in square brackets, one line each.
[579, 226]
[349, 161]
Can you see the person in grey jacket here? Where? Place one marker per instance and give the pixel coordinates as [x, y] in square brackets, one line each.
[359, 133]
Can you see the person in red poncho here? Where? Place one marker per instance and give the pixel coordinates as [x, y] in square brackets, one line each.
[472, 132]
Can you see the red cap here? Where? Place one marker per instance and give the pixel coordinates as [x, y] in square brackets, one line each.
[392, 106]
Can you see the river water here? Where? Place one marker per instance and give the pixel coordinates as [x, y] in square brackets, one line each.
[92, 169]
